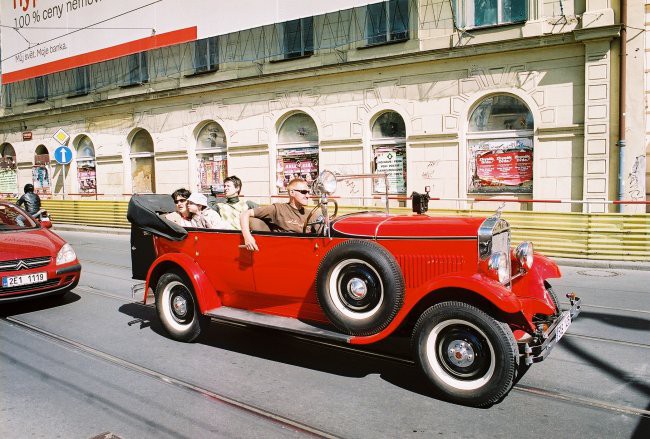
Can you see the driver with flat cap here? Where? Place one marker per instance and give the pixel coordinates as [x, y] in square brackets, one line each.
[288, 217]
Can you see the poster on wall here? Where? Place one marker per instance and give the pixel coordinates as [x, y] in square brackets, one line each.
[87, 178]
[498, 166]
[8, 181]
[212, 171]
[294, 163]
[8, 176]
[41, 179]
[391, 161]
[143, 175]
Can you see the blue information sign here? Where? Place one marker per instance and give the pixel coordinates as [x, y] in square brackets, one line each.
[63, 155]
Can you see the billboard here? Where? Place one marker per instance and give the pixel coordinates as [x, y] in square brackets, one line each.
[39, 37]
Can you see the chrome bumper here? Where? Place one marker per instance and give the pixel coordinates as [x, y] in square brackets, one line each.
[542, 344]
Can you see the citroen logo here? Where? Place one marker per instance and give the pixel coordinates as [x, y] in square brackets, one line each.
[21, 265]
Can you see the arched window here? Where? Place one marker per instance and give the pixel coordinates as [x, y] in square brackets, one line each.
[500, 146]
[41, 171]
[143, 172]
[211, 156]
[86, 172]
[8, 175]
[297, 150]
[389, 152]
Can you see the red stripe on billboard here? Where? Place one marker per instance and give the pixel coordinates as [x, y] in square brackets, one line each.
[152, 42]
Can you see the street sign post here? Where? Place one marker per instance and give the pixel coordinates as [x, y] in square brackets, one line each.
[63, 153]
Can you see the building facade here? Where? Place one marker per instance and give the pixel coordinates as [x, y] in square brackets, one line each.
[474, 98]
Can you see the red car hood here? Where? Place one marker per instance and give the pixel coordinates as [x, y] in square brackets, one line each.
[383, 225]
[29, 244]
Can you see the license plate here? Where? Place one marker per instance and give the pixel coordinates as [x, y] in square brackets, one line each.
[25, 279]
[562, 326]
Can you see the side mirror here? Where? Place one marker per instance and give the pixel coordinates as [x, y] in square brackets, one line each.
[45, 222]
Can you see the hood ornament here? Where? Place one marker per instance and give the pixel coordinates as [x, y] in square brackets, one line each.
[497, 214]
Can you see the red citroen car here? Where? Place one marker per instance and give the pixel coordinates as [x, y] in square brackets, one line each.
[34, 262]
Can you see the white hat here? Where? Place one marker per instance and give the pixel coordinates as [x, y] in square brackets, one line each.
[199, 199]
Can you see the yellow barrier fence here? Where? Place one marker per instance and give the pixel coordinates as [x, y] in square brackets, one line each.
[606, 236]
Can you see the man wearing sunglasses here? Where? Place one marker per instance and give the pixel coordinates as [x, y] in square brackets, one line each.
[287, 217]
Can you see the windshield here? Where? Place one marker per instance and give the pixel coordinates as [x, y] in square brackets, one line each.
[13, 218]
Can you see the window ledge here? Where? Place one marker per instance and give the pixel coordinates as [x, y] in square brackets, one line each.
[492, 26]
[383, 43]
[133, 84]
[78, 94]
[36, 101]
[286, 58]
[201, 72]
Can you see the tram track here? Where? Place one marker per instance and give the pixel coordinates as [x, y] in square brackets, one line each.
[569, 335]
[282, 421]
[527, 389]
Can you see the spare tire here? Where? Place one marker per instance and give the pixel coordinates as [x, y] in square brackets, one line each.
[359, 287]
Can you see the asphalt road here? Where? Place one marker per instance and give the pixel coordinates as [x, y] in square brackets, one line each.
[98, 362]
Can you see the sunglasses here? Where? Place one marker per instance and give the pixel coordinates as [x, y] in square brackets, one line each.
[302, 191]
[180, 200]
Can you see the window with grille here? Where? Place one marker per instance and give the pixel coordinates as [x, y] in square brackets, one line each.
[298, 37]
[387, 21]
[483, 13]
[206, 55]
[137, 69]
[82, 80]
[40, 90]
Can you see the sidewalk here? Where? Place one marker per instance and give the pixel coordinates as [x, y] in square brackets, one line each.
[567, 262]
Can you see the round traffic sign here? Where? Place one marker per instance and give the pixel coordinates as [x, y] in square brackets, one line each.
[63, 155]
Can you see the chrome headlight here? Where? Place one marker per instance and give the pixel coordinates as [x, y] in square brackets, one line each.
[498, 265]
[524, 254]
[65, 255]
[325, 184]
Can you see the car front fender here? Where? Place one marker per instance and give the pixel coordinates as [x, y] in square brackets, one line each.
[205, 292]
[491, 290]
[532, 283]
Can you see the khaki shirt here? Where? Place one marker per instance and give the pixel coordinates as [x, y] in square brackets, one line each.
[284, 216]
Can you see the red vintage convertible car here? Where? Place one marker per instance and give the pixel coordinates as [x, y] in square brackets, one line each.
[479, 313]
[34, 262]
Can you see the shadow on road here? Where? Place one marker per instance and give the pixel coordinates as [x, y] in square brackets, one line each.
[639, 385]
[282, 347]
[37, 304]
[617, 320]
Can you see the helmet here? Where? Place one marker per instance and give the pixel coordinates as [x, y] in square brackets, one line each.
[29, 187]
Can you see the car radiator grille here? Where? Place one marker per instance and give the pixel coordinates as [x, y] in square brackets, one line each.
[418, 269]
[24, 264]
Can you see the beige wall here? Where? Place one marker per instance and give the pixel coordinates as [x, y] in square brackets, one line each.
[563, 67]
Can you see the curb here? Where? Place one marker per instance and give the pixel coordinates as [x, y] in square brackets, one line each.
[90, 229]
[603, 264]
[565, 262]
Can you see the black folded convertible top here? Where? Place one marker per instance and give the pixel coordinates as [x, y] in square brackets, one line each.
[144, 212]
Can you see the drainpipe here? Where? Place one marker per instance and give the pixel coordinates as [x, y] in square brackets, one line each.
[622, 103]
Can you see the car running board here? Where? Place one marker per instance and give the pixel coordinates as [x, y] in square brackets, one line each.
[275, 322]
